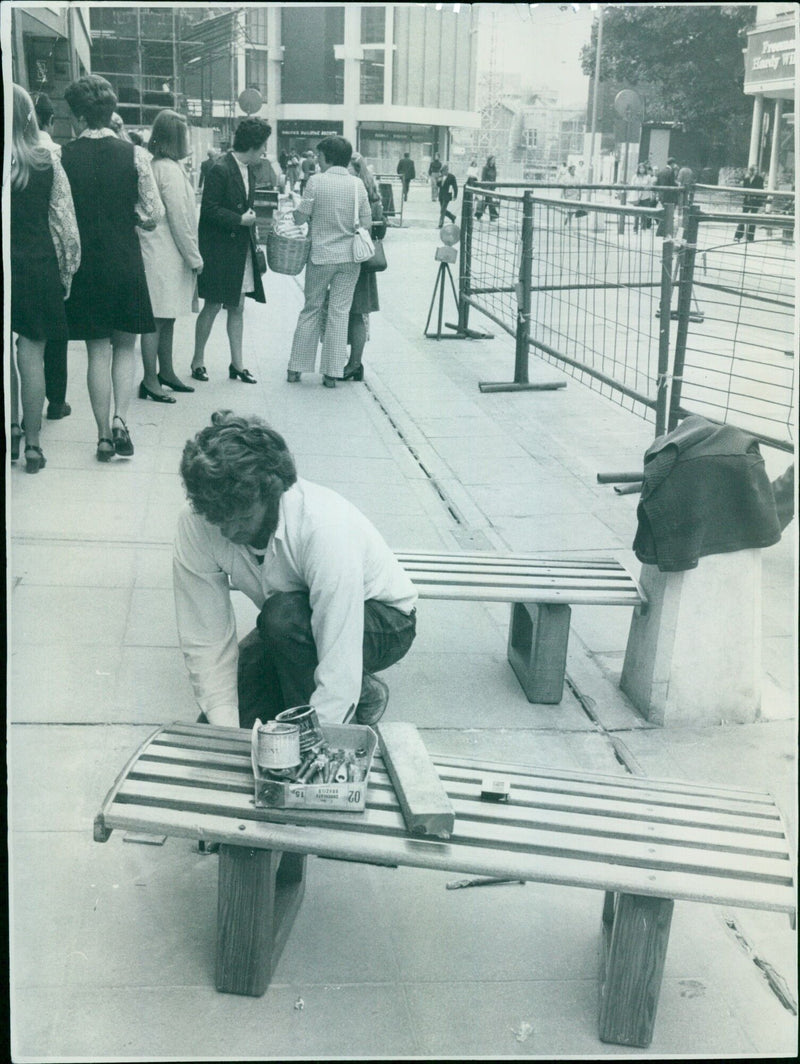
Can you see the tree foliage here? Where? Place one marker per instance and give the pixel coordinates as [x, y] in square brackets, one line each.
[685, 61]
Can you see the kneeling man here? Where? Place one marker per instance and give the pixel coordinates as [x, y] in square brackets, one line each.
[336, 606]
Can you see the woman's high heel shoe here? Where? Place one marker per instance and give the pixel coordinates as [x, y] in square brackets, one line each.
[176, 385]
[122, 439]
[105, 449]
[356, 374]
[329, 382]
[243, 375]
[145, 393]
[34, 459]
[199, 373]
[16, 435]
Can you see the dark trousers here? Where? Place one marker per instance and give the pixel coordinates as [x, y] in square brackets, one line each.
[487, 201]
[277, 660]
[751, 229]
[445, 213]
[55, 371]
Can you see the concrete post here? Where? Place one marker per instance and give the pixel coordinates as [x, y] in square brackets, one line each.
[772, 180]
[694, 655]
[755, 131]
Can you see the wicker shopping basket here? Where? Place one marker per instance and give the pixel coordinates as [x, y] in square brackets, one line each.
[286, 254]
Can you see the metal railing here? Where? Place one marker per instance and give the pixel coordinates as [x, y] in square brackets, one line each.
[589, 285]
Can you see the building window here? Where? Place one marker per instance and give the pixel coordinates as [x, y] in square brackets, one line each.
[372, 66]
[156, 23]
[531, 138]
[116, 21]
[255, 25]
[312, 31]
[256, 70]
[373, 25]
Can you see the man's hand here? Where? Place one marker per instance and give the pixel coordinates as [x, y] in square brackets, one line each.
[248, 218]
[223, 716]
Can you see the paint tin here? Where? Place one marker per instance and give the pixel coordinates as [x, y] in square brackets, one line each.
[306, 718]
[278, 746]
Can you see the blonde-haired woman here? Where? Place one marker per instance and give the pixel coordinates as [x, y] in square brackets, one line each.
[45, 253]
[171, 255]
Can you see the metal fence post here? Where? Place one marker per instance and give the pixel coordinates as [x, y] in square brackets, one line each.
[664, 314]
[465, 260]
[685, 287]
[524, 293]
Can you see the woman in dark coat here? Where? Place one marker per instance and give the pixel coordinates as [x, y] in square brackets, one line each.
[114, 191]
[227, 245]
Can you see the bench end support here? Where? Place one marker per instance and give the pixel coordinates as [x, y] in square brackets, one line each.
[537, 648]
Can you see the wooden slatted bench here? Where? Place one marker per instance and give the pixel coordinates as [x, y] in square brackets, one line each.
[541, 592]
[645, 843]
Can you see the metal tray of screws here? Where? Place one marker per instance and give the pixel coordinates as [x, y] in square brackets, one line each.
[356, 742]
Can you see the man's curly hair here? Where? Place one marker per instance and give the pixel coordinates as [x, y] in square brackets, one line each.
[233, 463]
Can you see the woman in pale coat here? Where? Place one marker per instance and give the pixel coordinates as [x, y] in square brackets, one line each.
[171, 255]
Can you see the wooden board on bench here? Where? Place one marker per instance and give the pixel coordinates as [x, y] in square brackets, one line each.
[541, 592]
[644, 842]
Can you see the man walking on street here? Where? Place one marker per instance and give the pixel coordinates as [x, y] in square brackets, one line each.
[752, 179]
[330, 204]
[448, 190]
[335, 604]
[434, 173]
[407, 171]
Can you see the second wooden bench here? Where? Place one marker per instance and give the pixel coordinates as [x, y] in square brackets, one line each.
[541, 592]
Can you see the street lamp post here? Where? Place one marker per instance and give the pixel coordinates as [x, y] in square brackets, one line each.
[595, 91]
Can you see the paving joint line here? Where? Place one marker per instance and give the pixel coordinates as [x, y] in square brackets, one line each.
[450, 506]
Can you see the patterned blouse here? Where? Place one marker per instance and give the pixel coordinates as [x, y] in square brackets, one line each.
[63, 226]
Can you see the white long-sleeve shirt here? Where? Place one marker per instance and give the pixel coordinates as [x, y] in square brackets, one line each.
[323, 545]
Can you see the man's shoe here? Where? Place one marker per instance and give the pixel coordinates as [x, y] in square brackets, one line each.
[373, 701]
[55, 411]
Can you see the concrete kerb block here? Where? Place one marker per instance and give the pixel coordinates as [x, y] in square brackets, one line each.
[694, 654]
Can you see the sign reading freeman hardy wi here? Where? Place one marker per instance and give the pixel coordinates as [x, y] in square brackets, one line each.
[769, 62]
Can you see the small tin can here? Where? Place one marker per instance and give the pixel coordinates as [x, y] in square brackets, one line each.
[306, 718]
[278, 746]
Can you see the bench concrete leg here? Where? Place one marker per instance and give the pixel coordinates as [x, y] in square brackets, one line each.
[636, 934]
[260, 892]
[537, 648]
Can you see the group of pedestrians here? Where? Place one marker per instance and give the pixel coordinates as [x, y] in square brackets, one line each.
[106, 246]
[76, 264]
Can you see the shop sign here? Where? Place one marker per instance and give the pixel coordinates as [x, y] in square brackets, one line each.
[302, 127]
[770, 58]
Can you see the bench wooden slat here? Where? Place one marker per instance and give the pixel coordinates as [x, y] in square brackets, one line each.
[478, 767]
[202, 746]
[474, 593]
[446, 856]
[630, 802]
[240, 738]
[522, 560]
[470, 832]
[529, 814]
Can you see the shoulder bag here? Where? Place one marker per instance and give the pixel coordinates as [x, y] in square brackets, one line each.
[363, 248]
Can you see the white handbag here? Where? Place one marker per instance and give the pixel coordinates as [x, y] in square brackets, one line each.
[363, 248]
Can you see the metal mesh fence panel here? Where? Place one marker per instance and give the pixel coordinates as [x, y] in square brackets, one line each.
[738, 365]
[496, 251]
[596, 288]
[627, 312]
